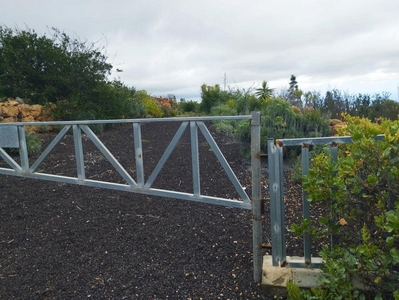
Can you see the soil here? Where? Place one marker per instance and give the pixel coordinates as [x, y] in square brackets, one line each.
[62, 241]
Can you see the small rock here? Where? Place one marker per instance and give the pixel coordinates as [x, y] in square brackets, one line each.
[19, 100]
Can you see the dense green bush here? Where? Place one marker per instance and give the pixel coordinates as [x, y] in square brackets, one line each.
[211, 96]
[362, 190]
[224, 126]
[152, 108]
[279, 120]
[113, 100]
[66, 71]
[33, 142]
[90, 115]
[45, 68]
[223, 110]
[189, 106]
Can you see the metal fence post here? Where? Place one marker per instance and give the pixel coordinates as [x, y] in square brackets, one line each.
[334, 159]
[276, 188]
[256, 197]
[306, 205]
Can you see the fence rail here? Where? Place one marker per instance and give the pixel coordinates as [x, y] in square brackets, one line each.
[276, 184]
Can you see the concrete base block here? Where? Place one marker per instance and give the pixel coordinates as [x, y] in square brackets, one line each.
[274, 279]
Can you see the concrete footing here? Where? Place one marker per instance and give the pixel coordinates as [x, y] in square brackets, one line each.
[274, 279]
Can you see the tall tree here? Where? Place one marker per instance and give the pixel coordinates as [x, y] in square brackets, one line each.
[211, 96]
[294, 94]
[264, 92]
[293, 84]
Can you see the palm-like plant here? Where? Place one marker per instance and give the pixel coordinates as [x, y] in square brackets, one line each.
[264, 92]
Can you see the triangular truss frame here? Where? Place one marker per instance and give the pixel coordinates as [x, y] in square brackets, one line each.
[139, 184]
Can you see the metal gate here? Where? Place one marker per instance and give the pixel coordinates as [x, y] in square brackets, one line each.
[12, 135]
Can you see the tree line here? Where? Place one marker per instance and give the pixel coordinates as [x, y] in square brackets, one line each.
[68, 74]
[73, 74]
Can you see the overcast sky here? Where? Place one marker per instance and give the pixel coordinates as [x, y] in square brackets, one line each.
[173, 47]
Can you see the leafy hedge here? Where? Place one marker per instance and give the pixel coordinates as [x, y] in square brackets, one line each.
[362, 189]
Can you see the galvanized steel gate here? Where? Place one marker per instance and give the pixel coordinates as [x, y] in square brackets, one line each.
[12, 135]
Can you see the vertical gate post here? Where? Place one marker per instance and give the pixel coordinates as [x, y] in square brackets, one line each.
[306, 205]
[276, 188]
[256, 196]
[334, 159]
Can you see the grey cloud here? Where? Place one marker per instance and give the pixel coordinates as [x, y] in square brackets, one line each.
[178, 45]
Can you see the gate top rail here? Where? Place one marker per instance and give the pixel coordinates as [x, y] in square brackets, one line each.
[143, 120]
[320, 140]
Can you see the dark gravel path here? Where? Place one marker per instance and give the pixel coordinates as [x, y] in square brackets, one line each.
[60, 241]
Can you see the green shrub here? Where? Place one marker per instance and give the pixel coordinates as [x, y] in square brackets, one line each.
[111, 100]
[279, 120]
[223, 110]
[362, 190]
[153, 109]
[314, 124]
[188, 106]
[48, 68]
[297, 163]
[294, 292]
[169, 113]
[133, 109]
[225, 126]
[90, 115]
[33, 142]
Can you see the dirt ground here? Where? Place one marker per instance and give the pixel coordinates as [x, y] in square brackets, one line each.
[62, 241]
